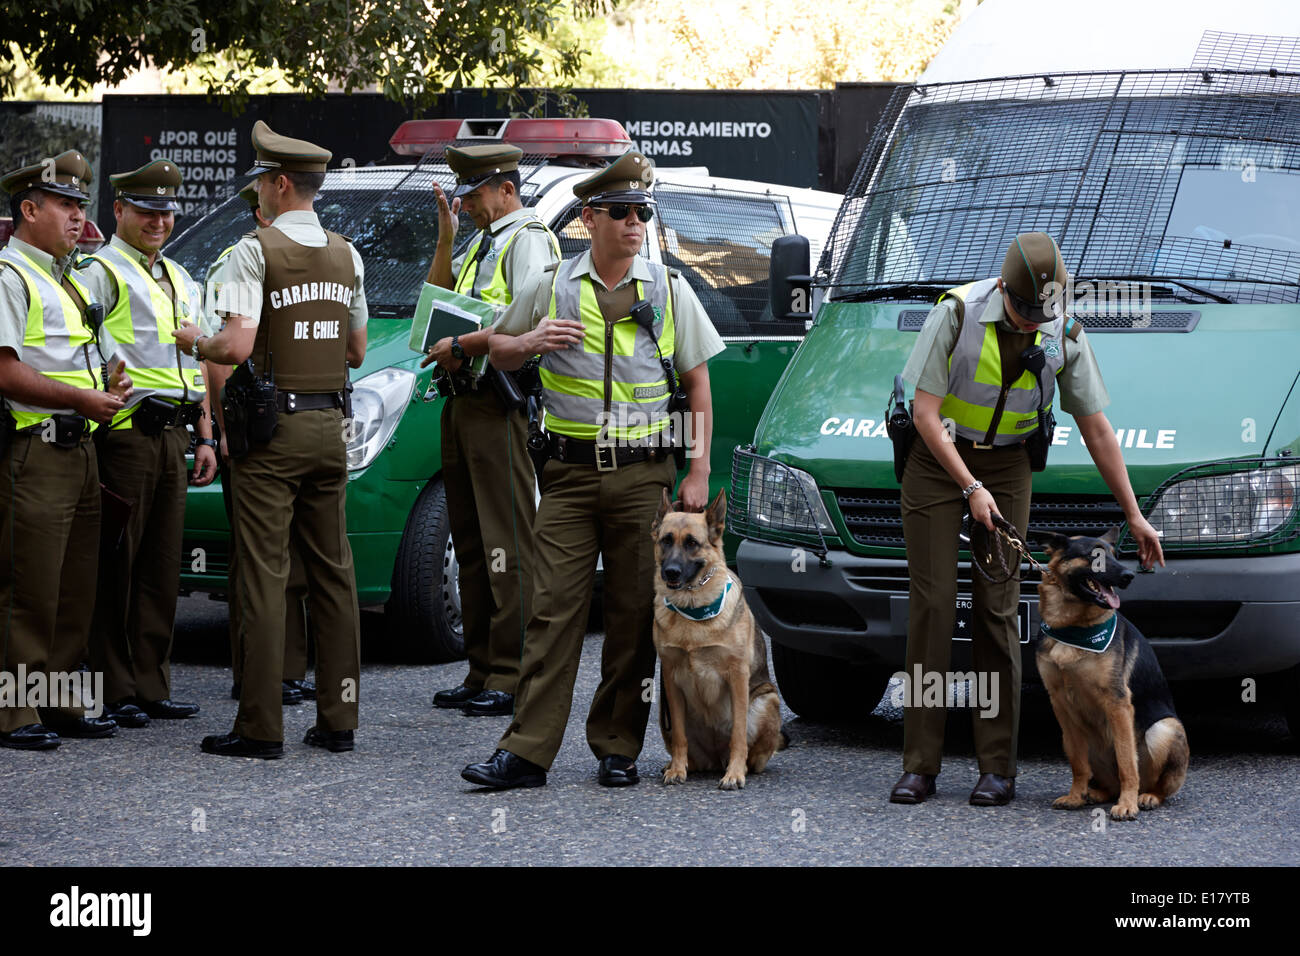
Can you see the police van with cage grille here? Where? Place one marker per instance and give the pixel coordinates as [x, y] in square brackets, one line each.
[1161, 149]
[716, 231]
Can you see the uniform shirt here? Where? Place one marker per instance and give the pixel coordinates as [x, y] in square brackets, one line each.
[695, 339]
[529, 253]
[13, 292]
[1080, 385]
[95, 276]
[245, 269]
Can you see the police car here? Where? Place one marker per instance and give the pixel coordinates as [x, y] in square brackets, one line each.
[717, 231]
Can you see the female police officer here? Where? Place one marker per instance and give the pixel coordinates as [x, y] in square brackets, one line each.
[975, 405]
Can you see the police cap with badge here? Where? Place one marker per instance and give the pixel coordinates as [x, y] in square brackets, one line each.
[475, 165]
[1034, 276]
[152, 186]
[67, 174]
[626, 180]
[276, 153]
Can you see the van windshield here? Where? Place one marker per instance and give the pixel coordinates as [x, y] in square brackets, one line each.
[1189, 179]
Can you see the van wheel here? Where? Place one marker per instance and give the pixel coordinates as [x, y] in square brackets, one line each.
[425, 603]
[827, 688]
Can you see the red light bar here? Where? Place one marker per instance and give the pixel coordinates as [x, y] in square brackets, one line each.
[588, 138]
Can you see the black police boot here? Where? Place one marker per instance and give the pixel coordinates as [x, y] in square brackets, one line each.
[126, 714]
[491, 703]
[505, 771]
[233, 745]
[30, 737]
[456, 698]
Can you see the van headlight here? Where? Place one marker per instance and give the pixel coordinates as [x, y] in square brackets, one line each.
[781, 498]
[378, 401]
[1220, 509]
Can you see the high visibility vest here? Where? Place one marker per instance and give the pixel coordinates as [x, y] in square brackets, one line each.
[140, 327]
[496, 292]
[975, 373]
[613, 386]
[57, 341]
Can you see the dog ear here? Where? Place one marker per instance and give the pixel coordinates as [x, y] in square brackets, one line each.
[716, 515]
[1053, 543]
[665, 506]
[1111, 537]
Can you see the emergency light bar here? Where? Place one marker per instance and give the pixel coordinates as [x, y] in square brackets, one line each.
[552, 138]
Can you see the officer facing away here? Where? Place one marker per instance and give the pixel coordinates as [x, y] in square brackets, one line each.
[295, 307]
[487, 473]
[967, 367]
[605, 414]
[50, 379]
[142, 451]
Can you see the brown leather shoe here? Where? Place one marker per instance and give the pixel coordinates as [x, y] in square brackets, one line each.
[912, 788]
[993, 791]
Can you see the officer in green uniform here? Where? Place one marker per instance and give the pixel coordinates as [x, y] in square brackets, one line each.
[50, 379]
[142, 452]
[487, 473]
[294, 686]
[294, 301]
[975, 405]
[606, 397]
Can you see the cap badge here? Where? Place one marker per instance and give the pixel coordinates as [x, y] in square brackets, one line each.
[161, 190]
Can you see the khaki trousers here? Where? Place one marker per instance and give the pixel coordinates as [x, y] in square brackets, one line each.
[489, 481]
[932, 508]
[49, 549]
[135, 606]
[585, 513]
[298, 480]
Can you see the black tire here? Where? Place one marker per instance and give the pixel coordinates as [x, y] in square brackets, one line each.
[827, 689]
[424, 608]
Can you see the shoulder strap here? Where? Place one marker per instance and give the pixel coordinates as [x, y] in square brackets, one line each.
[1072, 329]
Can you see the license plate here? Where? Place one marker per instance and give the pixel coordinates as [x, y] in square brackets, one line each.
[965, 620]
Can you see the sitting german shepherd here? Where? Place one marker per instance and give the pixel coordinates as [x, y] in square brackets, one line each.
[1118, 725]
[723, 712]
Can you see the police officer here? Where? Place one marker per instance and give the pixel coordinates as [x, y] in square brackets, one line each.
[50, 379]
[975, 406]
[602, 379]
[294, 686]
[293, 297]
[142, 451]
[487, 473]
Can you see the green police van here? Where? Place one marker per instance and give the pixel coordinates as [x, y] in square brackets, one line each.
[718, 232]
[1174, 195]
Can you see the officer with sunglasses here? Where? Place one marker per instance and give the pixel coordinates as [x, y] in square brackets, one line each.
[976, 406]
[601, 321]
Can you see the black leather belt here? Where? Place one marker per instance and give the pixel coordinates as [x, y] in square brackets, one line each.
[577, 451]
[290, 402]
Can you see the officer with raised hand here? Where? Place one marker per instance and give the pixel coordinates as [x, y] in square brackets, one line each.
[487, 473]
[50, 380]
[607, 399]
[142, 451]
[295, 307]
[976, 407]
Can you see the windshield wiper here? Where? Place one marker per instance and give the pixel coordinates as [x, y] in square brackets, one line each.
[925, 291]
[1166, 281]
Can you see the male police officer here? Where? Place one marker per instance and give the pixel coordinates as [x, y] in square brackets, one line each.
[49, 482]
[967, 367]
[606, 397]
[142, 452]
[292, 294]
[486, 469]
[294, 687]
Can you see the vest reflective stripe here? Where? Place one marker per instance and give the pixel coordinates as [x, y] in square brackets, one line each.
[140, 327]
[975, 373]
[56, 339]
[496, 291]
[575, 391]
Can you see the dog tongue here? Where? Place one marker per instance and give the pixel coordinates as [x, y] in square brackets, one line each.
[1111, 597]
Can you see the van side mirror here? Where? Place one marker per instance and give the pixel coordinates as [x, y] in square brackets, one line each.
[789, 281]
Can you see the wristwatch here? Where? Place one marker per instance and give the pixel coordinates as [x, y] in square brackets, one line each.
[210, 442]
[974, 487]
[194, 349]
[457, 352]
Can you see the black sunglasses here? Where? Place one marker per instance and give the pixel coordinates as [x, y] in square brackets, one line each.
[619, 210]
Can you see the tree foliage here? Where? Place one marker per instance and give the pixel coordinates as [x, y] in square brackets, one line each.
[410, 50]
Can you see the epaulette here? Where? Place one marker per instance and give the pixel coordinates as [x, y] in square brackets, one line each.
[1073, 329]
[551, 268]
[673, 273]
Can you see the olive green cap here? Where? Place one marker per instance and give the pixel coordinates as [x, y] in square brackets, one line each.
[1031, 265]
[475, 165]
[276, 152]
[626, 179]
[249, 195]
[67, 174]
[152, 186]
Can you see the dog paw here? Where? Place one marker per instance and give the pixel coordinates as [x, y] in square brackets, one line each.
[1071, 801]
[1148, 801]
[1124, 810]
[674, 774]
[1099, 796]
[734, 780]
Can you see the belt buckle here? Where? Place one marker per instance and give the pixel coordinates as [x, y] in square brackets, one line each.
[613, 460]
[982, 447]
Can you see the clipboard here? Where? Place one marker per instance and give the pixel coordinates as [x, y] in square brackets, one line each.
[440, 313]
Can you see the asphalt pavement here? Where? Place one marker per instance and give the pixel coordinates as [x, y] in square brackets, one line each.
[151, 797]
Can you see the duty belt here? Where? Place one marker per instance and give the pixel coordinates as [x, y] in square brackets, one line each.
[291, 402]
[175, 414]
[69, 430]
[980, 446]
[577, 451]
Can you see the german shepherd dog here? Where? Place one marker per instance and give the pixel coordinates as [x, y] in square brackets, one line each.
[1118, 726]
[723, 712]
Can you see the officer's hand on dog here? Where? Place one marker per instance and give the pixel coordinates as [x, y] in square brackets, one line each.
[1148, 542]
[448, 216]
[205, 466]
[694, 492]
[441, 353]
[551, 335]
[983, 508]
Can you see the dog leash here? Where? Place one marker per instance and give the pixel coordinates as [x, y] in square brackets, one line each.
[1007, 531]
